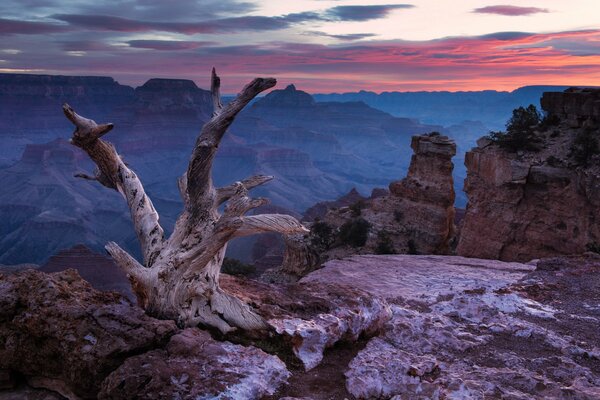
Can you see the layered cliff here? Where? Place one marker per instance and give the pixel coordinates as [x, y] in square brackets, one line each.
[530, 204]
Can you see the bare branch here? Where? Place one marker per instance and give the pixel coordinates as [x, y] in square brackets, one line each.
[113, 173]
[87, 129]
[215, 90]
[225, 193]
[139, 276]
[199, 169]
[284, 224]
[240, 203]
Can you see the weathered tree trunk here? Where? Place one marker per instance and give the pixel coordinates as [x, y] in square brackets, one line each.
[179, 277]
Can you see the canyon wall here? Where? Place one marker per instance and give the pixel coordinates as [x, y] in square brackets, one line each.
[532, 204]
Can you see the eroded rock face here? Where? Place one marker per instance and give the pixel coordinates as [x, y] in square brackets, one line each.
[528, 205]
[193, 366]
[472, 329]
[314, 315]
[61, 334]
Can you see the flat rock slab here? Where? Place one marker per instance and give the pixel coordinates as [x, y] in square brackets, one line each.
[313, 316]
[419, 278]
[473, 329]
[194, 366]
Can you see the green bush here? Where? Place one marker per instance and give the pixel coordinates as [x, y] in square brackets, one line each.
[585, 146]
[520, 128]
[384, 244]
[355, 232]
[321, 235]
[232, 266]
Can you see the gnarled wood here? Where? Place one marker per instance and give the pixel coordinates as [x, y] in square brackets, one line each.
[180, 276]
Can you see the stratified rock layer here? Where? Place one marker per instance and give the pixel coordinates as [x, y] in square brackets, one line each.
[528, 205]
[424, 200]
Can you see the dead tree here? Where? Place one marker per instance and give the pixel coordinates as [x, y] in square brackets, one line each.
[179, 276]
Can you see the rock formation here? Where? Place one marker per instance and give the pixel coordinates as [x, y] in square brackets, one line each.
[472, 329]
[528, 205]
[416, 216]
[59, 333]
[432, 327]
[425, 198]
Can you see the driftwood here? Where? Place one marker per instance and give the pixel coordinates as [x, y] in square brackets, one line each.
[179, 276]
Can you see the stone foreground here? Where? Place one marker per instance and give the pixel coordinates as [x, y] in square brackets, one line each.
[439, 327]
[472, 329]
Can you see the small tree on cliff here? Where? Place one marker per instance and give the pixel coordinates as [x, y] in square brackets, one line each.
[520, 127]
[179, 276]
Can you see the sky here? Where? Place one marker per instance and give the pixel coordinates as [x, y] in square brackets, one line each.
[322, 46]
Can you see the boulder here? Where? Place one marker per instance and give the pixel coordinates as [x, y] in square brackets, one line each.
[61, 334]
[314, 315]
[193, 366]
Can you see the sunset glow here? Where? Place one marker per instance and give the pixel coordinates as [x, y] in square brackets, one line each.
[322, 46]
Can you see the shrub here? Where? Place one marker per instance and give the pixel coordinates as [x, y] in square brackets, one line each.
[232, 266]
[384, 244]
[321, 235]
[355, 232]
[585, 146]
[519, 133]
[549, 121]
[357, 208]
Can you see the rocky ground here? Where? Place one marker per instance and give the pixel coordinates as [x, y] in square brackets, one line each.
[368, 327]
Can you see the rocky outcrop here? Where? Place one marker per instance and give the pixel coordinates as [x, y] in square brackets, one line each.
[432, 327]
[575, 105]
[192, 366]
[425, 198]
[415, 216]
[310, 317]
[61, 334]
[472, 328]
[528, 205]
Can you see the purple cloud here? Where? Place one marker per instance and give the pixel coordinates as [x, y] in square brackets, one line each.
[511, 11]
[346, 37]
[11, 27]
[119, 24]
[168, 45]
